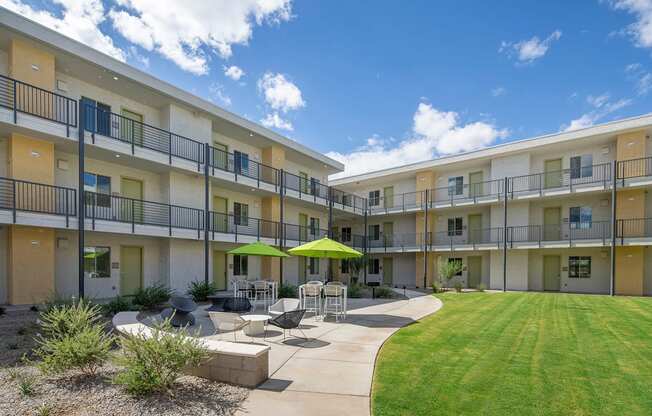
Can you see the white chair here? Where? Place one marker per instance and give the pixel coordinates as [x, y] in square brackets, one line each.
[227, 321]
[283, 305]
[262, 292]
[335, 283]
[312, 298]
[334, 301]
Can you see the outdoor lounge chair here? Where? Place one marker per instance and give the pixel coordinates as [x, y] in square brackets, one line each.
[289, 320]
[282, 306]
[227, 321]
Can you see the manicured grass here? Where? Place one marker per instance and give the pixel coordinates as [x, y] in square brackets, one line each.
[520, 354]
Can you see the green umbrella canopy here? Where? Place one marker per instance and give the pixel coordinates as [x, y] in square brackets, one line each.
[258, 249]
[325, 248]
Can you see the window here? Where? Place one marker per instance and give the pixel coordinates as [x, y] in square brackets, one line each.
[314, 187]
[314, 265]
[240, 265]
[97, 116]
[455, 226]
[373, 267]
[346, 200]
[456, 260]
[241, 161]
[374, 198]
[241, 214]
[303, 182]
[344, 266]
[579, 267]
[455, 185]
[314, 226]
[100, 185]
[581, 217]
[97, 260]
[581, 166]
[374, 232]
[346, 234]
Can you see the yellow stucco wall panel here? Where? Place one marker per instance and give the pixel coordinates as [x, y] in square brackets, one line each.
[31, 265]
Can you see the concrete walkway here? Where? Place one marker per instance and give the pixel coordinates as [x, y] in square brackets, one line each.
[332, 373]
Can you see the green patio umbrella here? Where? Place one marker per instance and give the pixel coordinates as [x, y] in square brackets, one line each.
[258, 249]
[325, 248]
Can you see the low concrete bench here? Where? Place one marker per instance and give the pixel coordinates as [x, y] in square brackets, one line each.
[229, 362]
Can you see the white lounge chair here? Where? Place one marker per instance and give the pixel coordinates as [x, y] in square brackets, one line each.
[226, 322]
[283, 305]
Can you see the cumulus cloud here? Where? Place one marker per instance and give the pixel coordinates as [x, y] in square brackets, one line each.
[234, 72]
[498, 91]
[641, 78]
[529, 50]
[276, 121]
[602, 106]
[641, 30]
[280, 93]
[79, 20]
[434, 133]
[217, 93]
[185, 34]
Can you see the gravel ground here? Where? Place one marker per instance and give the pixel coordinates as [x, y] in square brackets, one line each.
[77, 395]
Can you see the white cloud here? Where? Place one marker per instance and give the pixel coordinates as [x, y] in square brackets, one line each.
[527, 51]
[234, 72]
[435, 133]
[641, 30]
[80, 20]
[498, 91]
[602, 107]
[183, 33]
[276, 121]
[641, 77]
[217, 93]
[279, 93]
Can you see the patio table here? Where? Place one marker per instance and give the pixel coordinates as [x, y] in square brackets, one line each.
[256, 324]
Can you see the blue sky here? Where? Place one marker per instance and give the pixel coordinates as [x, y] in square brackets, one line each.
[381, 83]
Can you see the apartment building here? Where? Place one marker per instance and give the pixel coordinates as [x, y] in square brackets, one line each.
[565, 212]
[112, 180]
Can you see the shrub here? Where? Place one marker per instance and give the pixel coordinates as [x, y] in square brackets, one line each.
[384, 292]
[27, 384]
[151, 297]
[437, 287]
[449, 269]
[287, 291]
[200, 291]
[55, 300]
[458, 286]
[116, 305]
[73, 338]
[481, 287]
[354, 290]
[153, 363]
[44, 409]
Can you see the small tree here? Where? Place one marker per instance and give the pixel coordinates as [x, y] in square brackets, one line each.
[356, 265]
[449, 269]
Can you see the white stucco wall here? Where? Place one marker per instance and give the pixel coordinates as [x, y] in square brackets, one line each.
[517, 270]
[513, 165]
[186, 123]
[600, 270]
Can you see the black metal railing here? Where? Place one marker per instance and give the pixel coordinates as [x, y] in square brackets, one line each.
[352, 240]
[399, 241]
[467, 192]
[634, 168]
[17, 195]
[402, 202]
[634, 228]
[305, 186]
[566, 178]
[100, 206]
[570, 231]
[21, 97]
[302, 233]
[141, 135]
[242, 166]
[344, 200]
[239, 225]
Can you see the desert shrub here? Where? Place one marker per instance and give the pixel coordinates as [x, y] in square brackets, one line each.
[153, 363]
[73, 337]
[354, 290]
[287, 291]
[26, 384]
[53, 301]
[151, 297]
[200, 291]
[449, 269]
[458, 286]
[437, 287]
[116, 305]
[481, 287]
[384, 292]
[45, 409]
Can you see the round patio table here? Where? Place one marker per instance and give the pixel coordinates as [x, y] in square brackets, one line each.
[256, 324]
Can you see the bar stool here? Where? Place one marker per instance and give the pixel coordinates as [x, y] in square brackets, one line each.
[261, 291]
[333, 301]
[312, 298]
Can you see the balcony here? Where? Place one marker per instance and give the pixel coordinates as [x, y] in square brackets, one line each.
[637, 231]
[23, 202]
[585, 179]
[27, 104]
[469, 194]
[405, 202]
[348, 202]
[580, 234]
[297, 234]
[635, 172]
[355, 241]
[231, 228]
[400, 243]
[478, 239]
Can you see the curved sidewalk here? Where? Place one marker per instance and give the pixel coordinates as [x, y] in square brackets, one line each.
[332, 373]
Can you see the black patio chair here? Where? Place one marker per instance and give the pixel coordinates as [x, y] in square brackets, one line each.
[289, 320]
[180, 311]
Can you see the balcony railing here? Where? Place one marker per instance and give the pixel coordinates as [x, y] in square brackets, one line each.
[305, 186]
[239, 226]
[242, 166]
[401, 202]
[634, 168]
[634, 228]
[574, 231]
[302, 233]
[141, 135]
[139, 212]
[17, 195]
[397, 241]
[354, 240]
[24, 98]
[467, 193]
[345, 200]
[567, 178]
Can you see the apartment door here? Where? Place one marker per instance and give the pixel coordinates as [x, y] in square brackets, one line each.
[552, 224]
[131, 127]
[388, 193]
[475, 184]
[303, 270]
[551, 273]
[132, 208]
[220, 218]
[388, 234]
[220, 156]
[552, 173]
[219, 270]
[388, 271]
[474, 270]
[475, 228]
[303, 227]
[131, 269]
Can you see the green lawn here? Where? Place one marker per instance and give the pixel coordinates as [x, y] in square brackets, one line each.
[520, 354]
